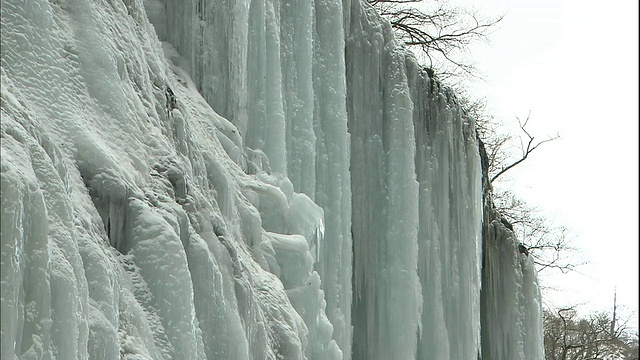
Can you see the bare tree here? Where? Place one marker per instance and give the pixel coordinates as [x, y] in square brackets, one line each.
[531, 146]
[569, 337]
[548, 244]
[441, 32]
[500, 145]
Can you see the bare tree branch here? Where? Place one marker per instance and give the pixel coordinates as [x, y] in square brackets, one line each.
[440, 31]
[526, 151]
[568, 336]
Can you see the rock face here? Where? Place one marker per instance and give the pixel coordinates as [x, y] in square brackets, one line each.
[243, 179]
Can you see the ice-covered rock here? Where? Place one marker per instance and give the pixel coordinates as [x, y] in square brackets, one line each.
[242, 179]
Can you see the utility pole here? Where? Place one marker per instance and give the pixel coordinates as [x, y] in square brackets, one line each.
[613, 318]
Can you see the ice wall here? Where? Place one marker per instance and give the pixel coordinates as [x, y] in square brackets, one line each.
[287, 67]
[183, 179]
[450, 301]
[511, 307]
[135, 225]
[418, 244]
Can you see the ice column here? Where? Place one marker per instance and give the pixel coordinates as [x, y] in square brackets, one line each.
[511, 306]
[387, 298]
[296, 25]
[333, 185]
[449, 172]
[266, 129]
[212, 37]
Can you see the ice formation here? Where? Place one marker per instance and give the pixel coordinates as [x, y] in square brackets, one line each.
[243, 179]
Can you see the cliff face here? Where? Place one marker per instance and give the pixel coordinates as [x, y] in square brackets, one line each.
[511, 306]
[243, 179]
[416, 204]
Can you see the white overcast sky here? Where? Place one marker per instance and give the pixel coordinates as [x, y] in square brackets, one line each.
[574, 65]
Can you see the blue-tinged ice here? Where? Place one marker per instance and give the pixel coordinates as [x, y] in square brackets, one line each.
[243, 179]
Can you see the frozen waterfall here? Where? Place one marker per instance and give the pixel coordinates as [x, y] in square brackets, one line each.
[243, 179]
